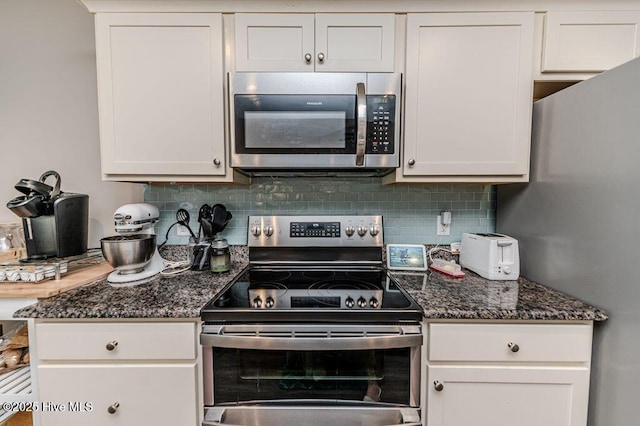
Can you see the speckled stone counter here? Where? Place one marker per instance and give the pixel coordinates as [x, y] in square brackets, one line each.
[177, 296]
[473, 297]
[439, 296]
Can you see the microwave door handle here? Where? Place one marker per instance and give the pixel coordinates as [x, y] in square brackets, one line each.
[361, 135]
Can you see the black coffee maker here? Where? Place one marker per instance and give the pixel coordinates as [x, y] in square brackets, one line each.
[55, 223]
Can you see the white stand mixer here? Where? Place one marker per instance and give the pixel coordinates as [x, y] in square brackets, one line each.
[137, 218]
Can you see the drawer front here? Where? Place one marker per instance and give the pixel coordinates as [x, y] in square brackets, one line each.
[130, 394]
[116, 341]
[510, 342]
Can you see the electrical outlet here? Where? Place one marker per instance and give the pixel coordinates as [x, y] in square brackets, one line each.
[442, 229]
[182, 231]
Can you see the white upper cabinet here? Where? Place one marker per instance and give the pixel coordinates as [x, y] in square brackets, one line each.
[315, 42]
[160, 85]
[589, 41]
[468, 97]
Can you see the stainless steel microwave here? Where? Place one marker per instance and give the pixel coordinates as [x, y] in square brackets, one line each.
[315, 123]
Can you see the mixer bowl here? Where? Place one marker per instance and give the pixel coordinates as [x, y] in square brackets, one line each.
[129, 254]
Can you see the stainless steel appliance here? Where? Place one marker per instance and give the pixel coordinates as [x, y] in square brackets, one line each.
[314, 331]
[577, 222]
[55, 223]
[315, 123]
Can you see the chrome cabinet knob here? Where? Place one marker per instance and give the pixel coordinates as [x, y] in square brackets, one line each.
[217, 161]
[112, 345]
[320, 57]
[308, 57]
[411, 162]
[514, 347]
[438, 386]
[113, 408]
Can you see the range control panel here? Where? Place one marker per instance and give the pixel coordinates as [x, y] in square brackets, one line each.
[315, 231]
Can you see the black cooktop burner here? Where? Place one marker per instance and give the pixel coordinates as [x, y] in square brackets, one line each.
[294, 293]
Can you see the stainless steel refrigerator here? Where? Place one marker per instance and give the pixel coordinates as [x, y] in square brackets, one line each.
[578, 223]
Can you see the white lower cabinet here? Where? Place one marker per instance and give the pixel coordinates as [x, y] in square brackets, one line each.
[118, 373]
[498, 374]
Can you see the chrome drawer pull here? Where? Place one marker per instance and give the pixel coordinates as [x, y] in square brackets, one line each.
[514, 347]
[112, 345]
[438, 386]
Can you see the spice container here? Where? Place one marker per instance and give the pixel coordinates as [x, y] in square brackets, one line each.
[220, 256]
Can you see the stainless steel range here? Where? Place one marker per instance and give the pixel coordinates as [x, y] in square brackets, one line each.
[314, 331]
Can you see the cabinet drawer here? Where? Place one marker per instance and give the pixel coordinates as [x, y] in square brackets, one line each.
[155, 394]
[496, 342]
[116, 341]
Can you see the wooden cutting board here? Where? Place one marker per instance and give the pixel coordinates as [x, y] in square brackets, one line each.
[50, 288]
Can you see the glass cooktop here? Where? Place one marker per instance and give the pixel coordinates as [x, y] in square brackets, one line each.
[285, 293]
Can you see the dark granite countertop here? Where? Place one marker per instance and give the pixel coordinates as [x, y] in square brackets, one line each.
[439, 296]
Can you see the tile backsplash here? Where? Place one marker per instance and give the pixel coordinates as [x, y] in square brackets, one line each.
[409, 211]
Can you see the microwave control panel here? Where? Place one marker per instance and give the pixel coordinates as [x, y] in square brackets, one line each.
[381, 112]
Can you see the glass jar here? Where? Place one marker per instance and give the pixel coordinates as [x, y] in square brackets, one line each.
[220, 256]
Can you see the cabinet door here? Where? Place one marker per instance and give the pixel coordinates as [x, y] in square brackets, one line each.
[468, 94]
[589, 41]
[355, 42]
[150, 394]
[160, 83]
[496, 395]
[274, 42]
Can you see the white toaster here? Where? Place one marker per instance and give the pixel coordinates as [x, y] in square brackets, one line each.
[492, 256]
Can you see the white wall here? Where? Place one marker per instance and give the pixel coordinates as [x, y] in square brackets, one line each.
[49, 109]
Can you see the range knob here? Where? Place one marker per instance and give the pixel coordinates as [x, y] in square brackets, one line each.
[373, 302]
[268, 230]
[362, 230]
[349, 230]
[256, 231]
[374, 230]
[269, 302]
[349, 303]
[362, 302]
[257, 302]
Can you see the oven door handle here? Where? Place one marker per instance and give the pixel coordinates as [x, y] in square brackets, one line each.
[310, 343]
[361, 132]
[215, 416]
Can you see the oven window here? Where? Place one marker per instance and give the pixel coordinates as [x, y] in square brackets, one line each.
[294, 129]
[242, 375]
[295, 124]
